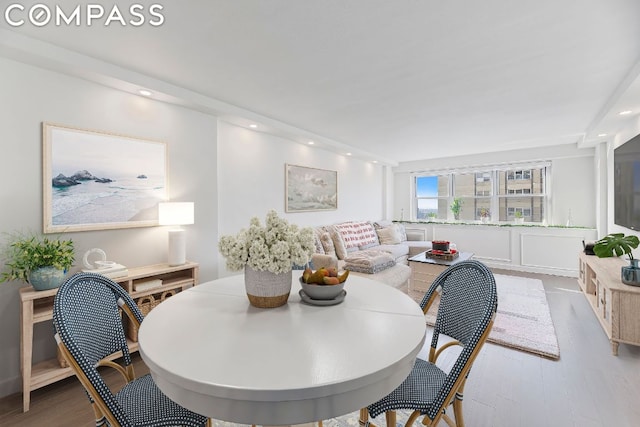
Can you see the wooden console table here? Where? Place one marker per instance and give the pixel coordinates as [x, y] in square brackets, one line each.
[616, 305]
[37, 306]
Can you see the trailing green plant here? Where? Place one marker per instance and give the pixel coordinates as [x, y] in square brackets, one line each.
[616, 244]
[25, 253]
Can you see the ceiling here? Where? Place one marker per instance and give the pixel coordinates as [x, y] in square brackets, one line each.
[393, 81]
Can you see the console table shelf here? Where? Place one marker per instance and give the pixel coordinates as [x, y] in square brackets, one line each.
[616, 305]
[37, 307]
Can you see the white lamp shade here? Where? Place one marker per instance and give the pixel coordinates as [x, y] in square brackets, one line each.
[175, 213]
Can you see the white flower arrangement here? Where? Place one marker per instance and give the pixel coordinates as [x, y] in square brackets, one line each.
[275, 247]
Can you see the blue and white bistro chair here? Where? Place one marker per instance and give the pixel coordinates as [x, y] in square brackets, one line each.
[468, 305]
[89, 330]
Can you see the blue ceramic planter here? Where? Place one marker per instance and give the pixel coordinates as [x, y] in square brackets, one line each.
[46, 278]
[630, 274]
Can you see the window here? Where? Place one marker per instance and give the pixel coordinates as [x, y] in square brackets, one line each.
[524, 211]
[499, 192]
[519, 175]
[522, 190]
[432, 196]
[483, 177]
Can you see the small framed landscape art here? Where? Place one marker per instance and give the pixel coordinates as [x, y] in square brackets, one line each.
[97, 180]
[310, 189]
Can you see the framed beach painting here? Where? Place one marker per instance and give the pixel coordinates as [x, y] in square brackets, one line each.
[97, 180]
[310, 189]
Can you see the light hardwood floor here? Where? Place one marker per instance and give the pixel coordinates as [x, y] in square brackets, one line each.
[587, 387]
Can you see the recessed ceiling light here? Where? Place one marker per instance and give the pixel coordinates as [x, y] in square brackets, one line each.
[602, 134]
[253, 126]
[348, 154]
[625, 112]
[144, 92]
[375, 161]
[310, 142]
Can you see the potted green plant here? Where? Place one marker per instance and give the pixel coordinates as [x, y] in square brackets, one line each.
[518, 218]
[485, 215]
[617, 244]
[38, 260]
[456, 207]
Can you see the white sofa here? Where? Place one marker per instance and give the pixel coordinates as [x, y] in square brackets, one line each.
[376, 250]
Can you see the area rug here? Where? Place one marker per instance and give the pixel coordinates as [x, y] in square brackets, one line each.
[523, 321]
[349, 420]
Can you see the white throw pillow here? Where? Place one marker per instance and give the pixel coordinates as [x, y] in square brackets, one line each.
[389, 235]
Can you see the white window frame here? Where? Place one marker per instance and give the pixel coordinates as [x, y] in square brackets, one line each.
[521, 171]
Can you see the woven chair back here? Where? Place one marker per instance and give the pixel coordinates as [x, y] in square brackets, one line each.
[468, 304]
[88, 321]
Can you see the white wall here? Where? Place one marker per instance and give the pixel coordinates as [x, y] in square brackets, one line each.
[231, 174]
[31, 95]
[251, 168]
[546, 250]
[572, 179]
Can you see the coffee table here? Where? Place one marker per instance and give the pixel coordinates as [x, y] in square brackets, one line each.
[425, 269]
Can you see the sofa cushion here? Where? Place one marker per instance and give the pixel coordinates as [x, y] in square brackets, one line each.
[352, 250]
[318, 248]
[388, 235]
[369, 261]
[382, 223]
[369, 246]
[326, 261]
[356, 234]
[327, 244]
[396, 251]
[396, 276]
[338, 242]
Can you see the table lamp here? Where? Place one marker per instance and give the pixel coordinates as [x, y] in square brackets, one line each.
[177, 214]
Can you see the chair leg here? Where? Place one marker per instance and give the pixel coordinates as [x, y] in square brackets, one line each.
[100, 419]
[364, 417]
[447, 419]
[412, 418]
[390, 417]
[457, 410]
[209, 422]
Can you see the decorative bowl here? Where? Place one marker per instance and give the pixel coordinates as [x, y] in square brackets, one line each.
[322, 292]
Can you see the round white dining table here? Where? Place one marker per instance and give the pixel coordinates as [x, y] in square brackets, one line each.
[212, 352]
